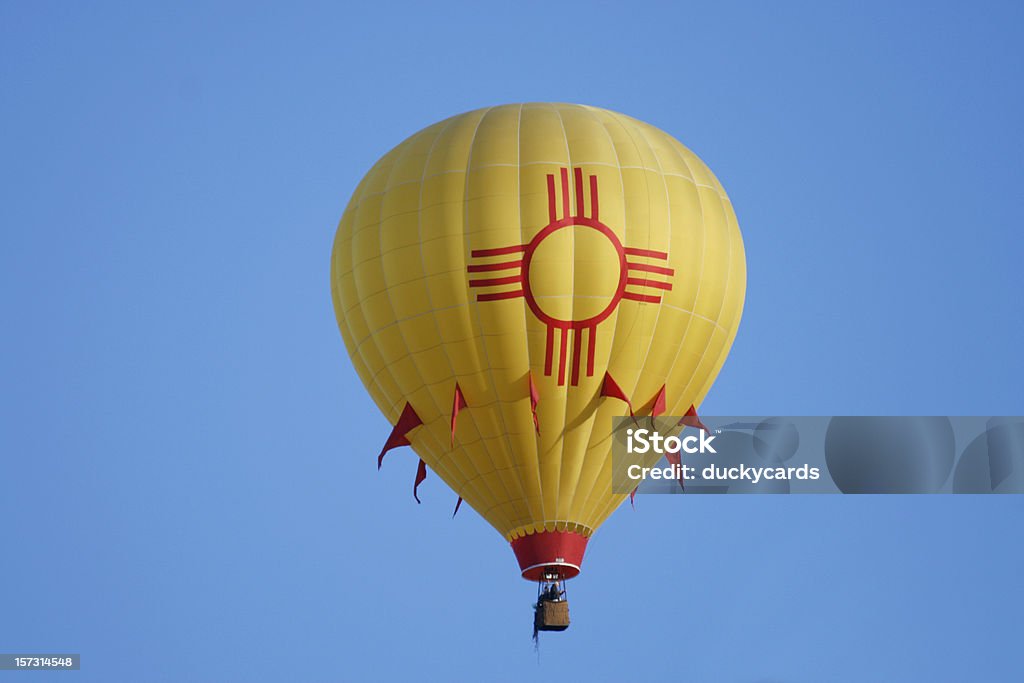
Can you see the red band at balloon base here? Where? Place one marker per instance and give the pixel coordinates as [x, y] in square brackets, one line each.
[558, 550]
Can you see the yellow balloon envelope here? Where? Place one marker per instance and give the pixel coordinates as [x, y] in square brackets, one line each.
[506, 278]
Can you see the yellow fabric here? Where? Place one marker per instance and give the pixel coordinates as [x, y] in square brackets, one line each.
[400, 277]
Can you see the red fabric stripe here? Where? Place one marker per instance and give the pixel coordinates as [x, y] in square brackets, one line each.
[646, 298]
[421, 474]
[630, 265]
[499, 295]
[643, 282]
[499, 251]
[511, 279]
[488, 267]
[649, 253]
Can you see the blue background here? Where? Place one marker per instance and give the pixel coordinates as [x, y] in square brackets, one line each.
[188, 487]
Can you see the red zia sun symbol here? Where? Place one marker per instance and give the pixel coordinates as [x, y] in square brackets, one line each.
[631, 273]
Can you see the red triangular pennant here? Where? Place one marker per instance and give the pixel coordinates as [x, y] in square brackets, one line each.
[421, 474]
[458, 403]
[408, 421]
[659, 403]
[612, 390]
[675, 459]
[691, 420]
[534, 400]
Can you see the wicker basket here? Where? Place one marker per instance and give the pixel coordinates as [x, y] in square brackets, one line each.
[552, 616]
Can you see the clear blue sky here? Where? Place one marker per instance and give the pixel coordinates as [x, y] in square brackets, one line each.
[189, 490]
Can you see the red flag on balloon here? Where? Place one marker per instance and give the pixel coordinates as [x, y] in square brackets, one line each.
[458, 403]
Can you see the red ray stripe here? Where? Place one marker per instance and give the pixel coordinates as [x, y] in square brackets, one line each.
[497, 281]
[565, 193]
[552, 199]
[487, 267]
[593, 198]
[591, 339]
[649, 269]
[578, 173]
[549, 351]
[649, 253]
[647, 298]
[561, 355]
[577, 340]
[499, 295]
[644, 282]
[499, 251]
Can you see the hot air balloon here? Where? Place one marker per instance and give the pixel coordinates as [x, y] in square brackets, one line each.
[508, 280]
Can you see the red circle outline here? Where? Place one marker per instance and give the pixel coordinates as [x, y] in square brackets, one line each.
[550, 228]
